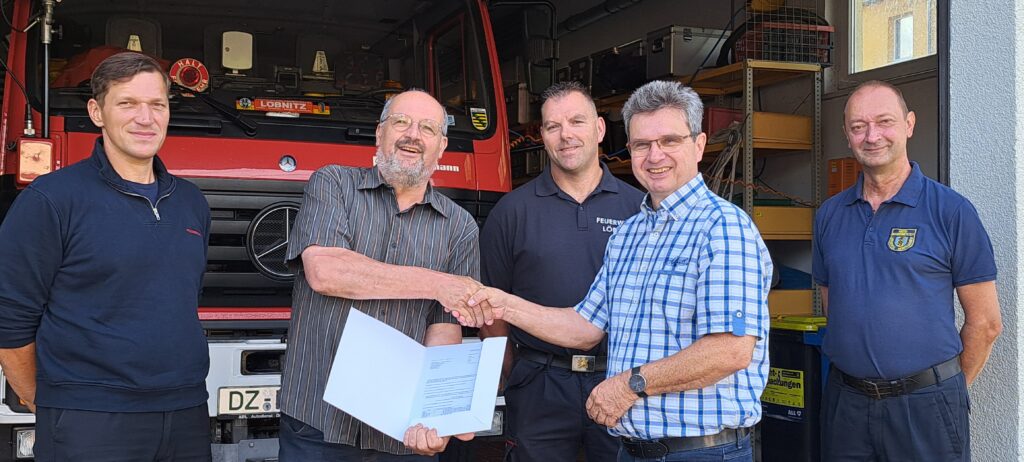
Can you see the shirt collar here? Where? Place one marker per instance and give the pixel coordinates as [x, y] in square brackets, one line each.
[165, 182]
[372, 179]
[909, 194]
[546, 186]
[684, 198]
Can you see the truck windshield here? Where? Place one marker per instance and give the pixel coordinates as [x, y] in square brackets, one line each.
[291, 64]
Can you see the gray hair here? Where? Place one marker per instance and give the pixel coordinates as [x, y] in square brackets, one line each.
[661, 94]
[387, 109]
[563, 89]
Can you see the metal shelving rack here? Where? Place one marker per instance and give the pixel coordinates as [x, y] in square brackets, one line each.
[744, 77]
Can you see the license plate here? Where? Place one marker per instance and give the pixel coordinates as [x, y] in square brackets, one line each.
[247, 400]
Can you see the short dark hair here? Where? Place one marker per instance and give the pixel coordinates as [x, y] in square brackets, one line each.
[563, 89]
[120, 68]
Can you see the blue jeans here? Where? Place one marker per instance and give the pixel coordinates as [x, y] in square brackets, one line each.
[740, 451]
[302, 443]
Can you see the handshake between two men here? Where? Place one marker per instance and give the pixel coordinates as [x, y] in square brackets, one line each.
[610, 400]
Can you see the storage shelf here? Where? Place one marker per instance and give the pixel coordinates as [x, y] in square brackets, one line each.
[761, 147]
[729, 79]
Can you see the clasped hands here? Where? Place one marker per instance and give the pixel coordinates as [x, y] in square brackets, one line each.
[472, 303]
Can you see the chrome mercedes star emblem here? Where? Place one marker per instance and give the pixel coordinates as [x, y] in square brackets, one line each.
[267, 239]
[287, 163]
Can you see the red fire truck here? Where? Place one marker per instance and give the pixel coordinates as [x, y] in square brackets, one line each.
[267, 92]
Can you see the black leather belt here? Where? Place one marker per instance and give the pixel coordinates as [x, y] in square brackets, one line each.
[881, 389]
[654, 449]
[575, 363]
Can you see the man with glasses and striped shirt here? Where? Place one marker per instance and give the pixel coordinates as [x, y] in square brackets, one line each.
[384, 241]
[682, 296]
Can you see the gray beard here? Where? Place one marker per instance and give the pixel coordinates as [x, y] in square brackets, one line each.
[400, 175]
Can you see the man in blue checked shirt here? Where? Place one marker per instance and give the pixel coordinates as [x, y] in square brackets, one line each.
[682, 296]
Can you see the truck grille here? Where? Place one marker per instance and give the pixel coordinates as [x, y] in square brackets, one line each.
[248, 239]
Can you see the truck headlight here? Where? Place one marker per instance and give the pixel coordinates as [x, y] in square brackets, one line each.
[25, 439]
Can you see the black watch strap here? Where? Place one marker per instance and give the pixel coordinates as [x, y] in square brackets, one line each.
[636, 373]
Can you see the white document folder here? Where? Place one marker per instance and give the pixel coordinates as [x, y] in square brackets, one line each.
[391, 382]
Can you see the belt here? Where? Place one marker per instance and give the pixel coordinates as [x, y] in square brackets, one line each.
[654, 449]
[881, 389]
[575, 363]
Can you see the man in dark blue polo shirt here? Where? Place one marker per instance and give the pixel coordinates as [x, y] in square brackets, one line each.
[545, 242]
[889, 253]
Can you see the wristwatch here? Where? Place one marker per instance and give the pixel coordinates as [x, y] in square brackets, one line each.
[638, 383]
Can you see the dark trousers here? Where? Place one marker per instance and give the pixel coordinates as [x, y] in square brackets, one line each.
[930, 424]
[739, 451]
[547, 415]
[302, 443]
[87, 436]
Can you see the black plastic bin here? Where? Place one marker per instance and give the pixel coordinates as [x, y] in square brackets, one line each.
[792, 399]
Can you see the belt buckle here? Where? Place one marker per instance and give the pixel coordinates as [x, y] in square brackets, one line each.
[653, 450]
[874, 391]
[584, 363]
[645, 449]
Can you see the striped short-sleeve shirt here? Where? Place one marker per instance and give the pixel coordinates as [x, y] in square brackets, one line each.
[693, 267]
[353, 208]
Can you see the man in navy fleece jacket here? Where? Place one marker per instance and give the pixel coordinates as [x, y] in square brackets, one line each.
[102, 267]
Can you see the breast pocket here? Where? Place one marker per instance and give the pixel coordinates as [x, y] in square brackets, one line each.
[674, 290]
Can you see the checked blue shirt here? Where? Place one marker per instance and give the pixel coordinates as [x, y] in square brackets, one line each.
[696, 266]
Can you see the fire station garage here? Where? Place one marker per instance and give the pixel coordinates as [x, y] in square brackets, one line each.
[919, 262]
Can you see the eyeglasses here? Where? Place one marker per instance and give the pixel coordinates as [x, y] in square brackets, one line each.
[668, 144]
[401, 122]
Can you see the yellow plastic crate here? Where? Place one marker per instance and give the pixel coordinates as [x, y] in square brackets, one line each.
[773, 127]
[784, 223]
[791, 303]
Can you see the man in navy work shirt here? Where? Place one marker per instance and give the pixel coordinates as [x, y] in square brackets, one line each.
[102, 267]
[888, 254]
[682, 295]
[545, 242]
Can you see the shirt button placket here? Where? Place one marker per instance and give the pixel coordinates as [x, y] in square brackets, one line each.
[869, 230]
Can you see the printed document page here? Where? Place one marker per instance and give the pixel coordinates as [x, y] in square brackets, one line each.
[389, 381]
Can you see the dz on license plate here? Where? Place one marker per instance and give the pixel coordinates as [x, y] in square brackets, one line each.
[247, 400]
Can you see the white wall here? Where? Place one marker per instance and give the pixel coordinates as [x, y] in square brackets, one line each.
[986, 153]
